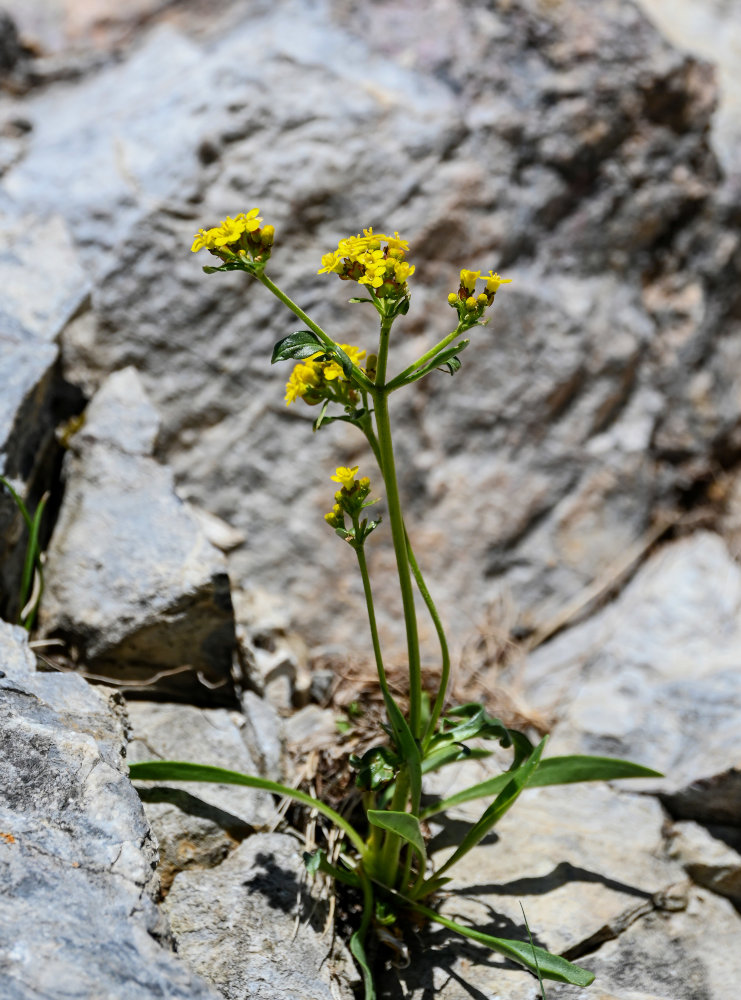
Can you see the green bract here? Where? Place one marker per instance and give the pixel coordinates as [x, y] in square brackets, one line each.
[385, 857]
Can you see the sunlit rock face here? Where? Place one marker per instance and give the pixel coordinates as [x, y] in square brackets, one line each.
[564, 144]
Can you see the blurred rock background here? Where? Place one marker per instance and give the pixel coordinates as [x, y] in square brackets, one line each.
[565, 144]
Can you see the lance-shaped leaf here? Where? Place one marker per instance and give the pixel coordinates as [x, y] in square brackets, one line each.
[536, 959]
[403, 824]
[551, 771]
[297, 345]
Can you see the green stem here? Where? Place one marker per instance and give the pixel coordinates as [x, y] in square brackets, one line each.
[398, 534]
[398, 380]
[372, 621]
[359, 376]
[444, 652]
[389, 863]
[427, 598]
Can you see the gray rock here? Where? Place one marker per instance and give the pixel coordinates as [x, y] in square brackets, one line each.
[196, 824]
[599, 883]
[690, 954]
[264, 734]
[77, 858]
[161, 619]
[707, 858]
[37, 305]
[712, 30]
[252, 929]
[567, 145]
[655, 678]
[564, 855]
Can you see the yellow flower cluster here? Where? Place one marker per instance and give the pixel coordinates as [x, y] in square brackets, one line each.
[350, 500]
[229, 231]
[309, 378]
[373, 259]
[469, 305]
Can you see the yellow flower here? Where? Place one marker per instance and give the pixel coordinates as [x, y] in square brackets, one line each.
[373, 259]
[345, 476]
[494, 281]
[227, 232]
[471, 302]
[305, 376]
[468, 280]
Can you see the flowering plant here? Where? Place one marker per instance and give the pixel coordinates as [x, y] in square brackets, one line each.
[384, 856]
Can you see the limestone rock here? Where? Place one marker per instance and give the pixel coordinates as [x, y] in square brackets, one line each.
[707, 858]
[237, 926]
[132, 583]
[77, 858]
[565, 144]
[196, 824]
[36, 306]
[690, 954]
[655, 678]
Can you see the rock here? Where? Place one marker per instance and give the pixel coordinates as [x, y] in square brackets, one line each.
[690, 954]
[76, 916]
[563, 854]
[567, 145]
[710, 29]
[707, 859]
[618, 905]
[196, 824]
[37, 305]
[655, 678]
[264, 735]
[163, 619]
[273, 658]
[252, 929]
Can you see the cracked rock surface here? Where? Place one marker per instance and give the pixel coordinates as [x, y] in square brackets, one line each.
[565, 144]
[132, 583]
[250, 928]
[76, 855]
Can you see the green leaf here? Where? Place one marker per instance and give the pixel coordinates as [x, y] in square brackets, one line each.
[300, 344]
[345, 362]
[403, 824]
[551, 771]
[349, 418]
[18, 502]
[453, 365]
[180, 770]
[317, 862]
[313, 861]
[209, 269]
[536, 959]
[320, 419]
[445, 357]
[535, 955]
[357, 949]
[567, 770]
[357, 941]
[355, 299]
[375, 768]
[408, 750]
